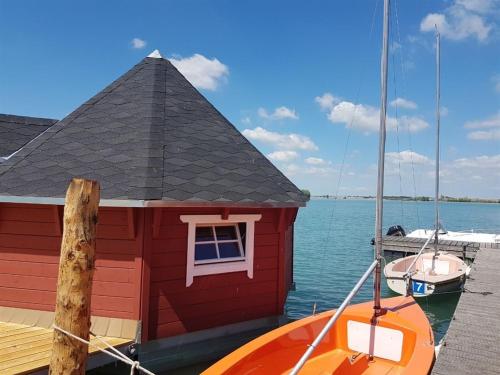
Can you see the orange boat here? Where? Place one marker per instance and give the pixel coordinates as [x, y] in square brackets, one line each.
[401, 343]
[386, 336]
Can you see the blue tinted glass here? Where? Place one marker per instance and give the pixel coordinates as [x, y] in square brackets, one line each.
[229, 250]
[204, 234]
[205, 251]
[226, 233]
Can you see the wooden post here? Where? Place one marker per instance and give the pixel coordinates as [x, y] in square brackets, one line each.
[74, 285]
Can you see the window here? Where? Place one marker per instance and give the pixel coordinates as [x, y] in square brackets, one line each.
[219, 243]
[217, 246]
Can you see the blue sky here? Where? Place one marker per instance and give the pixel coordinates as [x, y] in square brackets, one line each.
[291, 75]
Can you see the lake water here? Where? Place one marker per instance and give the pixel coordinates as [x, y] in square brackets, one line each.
[332, 250]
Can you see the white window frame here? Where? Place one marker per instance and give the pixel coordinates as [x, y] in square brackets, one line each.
[199, 268]
[216, 242]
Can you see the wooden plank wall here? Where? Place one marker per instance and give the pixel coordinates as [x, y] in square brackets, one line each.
[212, 300]
[288, 261]
[30, 237]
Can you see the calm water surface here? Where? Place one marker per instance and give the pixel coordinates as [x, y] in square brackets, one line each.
[332, 250]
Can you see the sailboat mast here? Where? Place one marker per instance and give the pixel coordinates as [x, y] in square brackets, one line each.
[438, 121]
[381, 158]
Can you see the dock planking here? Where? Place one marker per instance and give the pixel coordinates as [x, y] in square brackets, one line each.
[25, 349]
[471, 343]
[408, 246]
[26, 339]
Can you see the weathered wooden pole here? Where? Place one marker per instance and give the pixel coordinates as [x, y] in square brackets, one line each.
[74, 285]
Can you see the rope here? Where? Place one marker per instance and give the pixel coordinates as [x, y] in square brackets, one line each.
[115, 353]
[342, 167]
[477, 292]
[399, 148]
[403, 90]
[393, 54]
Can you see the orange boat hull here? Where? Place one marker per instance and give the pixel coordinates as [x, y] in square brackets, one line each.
[405, 346]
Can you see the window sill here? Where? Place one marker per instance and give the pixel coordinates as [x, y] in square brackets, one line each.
[218, 261]
[215, 268]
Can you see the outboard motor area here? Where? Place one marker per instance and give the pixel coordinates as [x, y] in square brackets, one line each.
[396, 231]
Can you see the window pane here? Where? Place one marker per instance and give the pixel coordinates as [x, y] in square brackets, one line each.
[226, 233]
[229, 250]
[204, 234]
[205, 251]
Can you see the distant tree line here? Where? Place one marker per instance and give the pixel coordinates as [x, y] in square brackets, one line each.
[443, 198]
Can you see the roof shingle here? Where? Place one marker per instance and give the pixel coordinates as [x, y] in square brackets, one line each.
[16, 131]
[150, 135]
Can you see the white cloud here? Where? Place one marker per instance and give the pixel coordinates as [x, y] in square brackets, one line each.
[484, 135]
[246, 120]
[475, 176]
[461, 20]
[410, 123]
[203, 73]
[490, 122]
[490, 126]
[327, 101]
[138, 43]
[322, 171]
[293, 170]
[283, 141]
[457, 176]
[280, 113]
[315, 161]
[478, 6]
[403, 103]
[284, 156]
[479, 162]
[407, 157]
[366, 118]
[444, 111]
[363, 117]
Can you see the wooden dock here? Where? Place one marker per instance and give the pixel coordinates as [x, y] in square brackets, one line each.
[471, 345]
[26, 338]
[403, 246]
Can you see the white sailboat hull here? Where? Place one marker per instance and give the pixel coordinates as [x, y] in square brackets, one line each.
[458, 236]
[448, 275]
[427, 288]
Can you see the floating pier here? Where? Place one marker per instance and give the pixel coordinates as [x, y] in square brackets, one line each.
[471, 343]
[403, 246]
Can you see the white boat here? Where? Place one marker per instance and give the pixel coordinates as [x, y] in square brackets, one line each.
[473, 237]
[433, 273]
[418, 276]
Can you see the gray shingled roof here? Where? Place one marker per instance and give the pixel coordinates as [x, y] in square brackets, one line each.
[150, 135]
[16, 131]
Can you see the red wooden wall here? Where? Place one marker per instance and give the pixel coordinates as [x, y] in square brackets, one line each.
[215, 300]
[30, 239]
[141, 267]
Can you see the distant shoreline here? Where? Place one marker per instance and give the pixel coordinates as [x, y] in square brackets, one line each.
[410, 199]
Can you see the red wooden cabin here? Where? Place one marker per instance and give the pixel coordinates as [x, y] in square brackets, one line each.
[195, 225]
